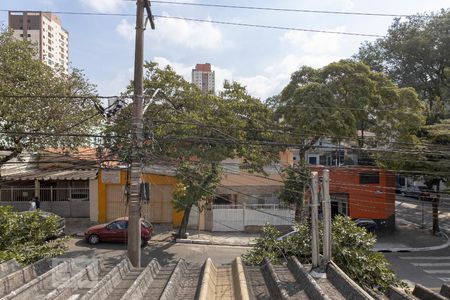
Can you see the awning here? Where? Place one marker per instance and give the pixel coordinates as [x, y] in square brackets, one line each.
[52, 175]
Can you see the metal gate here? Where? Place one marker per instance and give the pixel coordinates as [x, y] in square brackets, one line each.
[116, 204]
[159, 210]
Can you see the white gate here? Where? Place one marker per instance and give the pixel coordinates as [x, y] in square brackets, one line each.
[237, 217]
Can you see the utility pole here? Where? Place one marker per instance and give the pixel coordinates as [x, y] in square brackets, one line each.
[326, 207]
[134, 204]
[315, 219]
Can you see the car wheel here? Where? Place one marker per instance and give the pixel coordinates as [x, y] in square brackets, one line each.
[143, 243]
[93, 239]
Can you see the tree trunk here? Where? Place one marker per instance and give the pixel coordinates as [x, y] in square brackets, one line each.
[298, 212]
[435, 205]
[184, 222]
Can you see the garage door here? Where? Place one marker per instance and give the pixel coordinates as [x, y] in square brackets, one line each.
[159, 210]
[115, 202]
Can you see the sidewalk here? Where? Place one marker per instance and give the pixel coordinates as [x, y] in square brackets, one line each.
[408, 237]
[220, 238]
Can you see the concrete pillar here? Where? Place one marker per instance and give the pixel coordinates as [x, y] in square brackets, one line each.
[37, 188]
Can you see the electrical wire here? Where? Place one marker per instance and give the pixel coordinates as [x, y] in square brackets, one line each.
[218, 22]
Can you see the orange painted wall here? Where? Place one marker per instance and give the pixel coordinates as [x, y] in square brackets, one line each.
[374, 201]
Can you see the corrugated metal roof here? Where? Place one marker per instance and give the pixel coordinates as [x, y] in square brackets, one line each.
[37, 174]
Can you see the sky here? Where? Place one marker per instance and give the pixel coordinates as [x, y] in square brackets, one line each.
[260, 59]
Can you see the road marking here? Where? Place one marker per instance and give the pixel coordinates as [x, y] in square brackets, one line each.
[431, 264]
[437, 271]
[445, 279]
[426, 257]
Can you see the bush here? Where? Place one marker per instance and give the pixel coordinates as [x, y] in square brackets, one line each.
[23, 237]
[352, 252]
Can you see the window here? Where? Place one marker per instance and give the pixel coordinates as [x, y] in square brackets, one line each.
[29, 35]
[369, 178]
[21, 35]
[312, 160]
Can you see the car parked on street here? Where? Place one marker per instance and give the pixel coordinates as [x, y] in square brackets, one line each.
[369, 224]
[117, 232]
[418, 192]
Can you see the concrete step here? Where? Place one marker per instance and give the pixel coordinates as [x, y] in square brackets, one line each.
[329, 289]
[190, 283]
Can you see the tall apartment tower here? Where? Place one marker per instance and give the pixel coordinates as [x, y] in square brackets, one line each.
[204, 78]
[45, 30]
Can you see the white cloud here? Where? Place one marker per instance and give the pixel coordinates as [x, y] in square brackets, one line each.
[125, 29]
[117, 84]
[317, 43]
[179, 32]
[104, 6]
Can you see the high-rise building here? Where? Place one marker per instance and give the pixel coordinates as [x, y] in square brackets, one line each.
[43, 29]
[204, 78]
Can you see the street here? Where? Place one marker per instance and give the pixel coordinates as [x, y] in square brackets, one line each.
[165, 252]
[429, 268]
[412, 210]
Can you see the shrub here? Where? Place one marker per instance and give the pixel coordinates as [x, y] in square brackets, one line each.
[23, 237]
[352, 252]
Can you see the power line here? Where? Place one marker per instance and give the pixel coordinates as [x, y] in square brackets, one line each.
[219, 22]
[282, 9]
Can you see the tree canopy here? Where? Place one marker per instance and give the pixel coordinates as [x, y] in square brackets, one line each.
[36, 99]
[415, 53]
[343, 97]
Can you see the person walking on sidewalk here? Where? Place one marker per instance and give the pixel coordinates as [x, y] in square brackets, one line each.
[37, 202]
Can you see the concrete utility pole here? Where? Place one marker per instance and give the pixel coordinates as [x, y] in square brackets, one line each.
[326, 207]
[315, 219]
[134, 205]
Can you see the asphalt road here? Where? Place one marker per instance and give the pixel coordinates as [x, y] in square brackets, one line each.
[420, 213]
[165, 252]
[431, 268]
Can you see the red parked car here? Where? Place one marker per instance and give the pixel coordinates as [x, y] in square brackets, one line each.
[117, 231]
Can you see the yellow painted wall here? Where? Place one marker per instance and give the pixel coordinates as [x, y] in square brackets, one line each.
[148, 178]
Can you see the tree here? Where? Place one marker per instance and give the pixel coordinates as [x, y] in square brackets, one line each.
[351, 247]
[196, 184]
[415, 54]
[294, 186]
[29, 101]
[23, 237]
[195, 131]
[343, 97]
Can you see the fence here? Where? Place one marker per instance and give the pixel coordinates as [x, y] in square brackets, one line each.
[240, 217]
[66, 201]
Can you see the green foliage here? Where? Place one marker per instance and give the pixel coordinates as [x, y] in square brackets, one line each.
[23, 237]
[22, 75]
[346, 96]
[415, 54]
[195, 131]
[196, 184]
[351, 246]
[297, 177]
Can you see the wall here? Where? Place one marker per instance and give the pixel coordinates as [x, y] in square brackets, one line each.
[221, 218]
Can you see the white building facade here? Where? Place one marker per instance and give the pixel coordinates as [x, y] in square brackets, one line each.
[204, 77]
[46, 32]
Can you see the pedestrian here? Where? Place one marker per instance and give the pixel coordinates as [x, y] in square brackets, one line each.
[32, 205]
[37, 203]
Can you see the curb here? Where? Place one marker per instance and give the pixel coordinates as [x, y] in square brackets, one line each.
[207, 242]
[417, 249]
